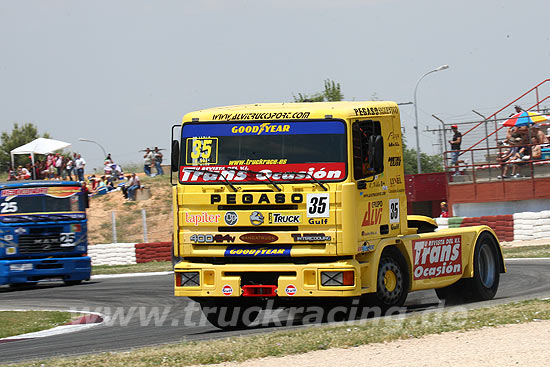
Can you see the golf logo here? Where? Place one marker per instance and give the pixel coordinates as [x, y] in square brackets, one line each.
[231, 218]
[290, 289]
[227, 290]
[437, 257]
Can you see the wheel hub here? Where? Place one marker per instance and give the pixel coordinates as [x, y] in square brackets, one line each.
[390, 280]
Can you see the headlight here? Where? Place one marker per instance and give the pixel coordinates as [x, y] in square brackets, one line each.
[20, 267]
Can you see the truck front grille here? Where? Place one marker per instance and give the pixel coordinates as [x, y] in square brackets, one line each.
[31, 244]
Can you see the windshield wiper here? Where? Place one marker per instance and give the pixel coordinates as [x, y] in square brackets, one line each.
[308, 174]
[216, 172]
[256, 173]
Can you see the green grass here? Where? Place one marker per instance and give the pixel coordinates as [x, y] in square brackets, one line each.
[134, 268]
[17, 322]
[280, 343]
[527, 251]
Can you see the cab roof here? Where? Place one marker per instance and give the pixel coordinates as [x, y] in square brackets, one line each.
[294, 111]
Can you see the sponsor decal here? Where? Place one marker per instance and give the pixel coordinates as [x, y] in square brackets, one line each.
[394, 139]
[366, 247]
[260, 116]
[262, 199]
[211, 238]
[202, 218]
[373, 214]
[227, 290]
[231, 218]
[394, 161]
[332, 171]
[375, 111]
[254, 129]
[290, 290]
[201, 151]
[276, 218]
[256, 218]
[267, 251]
[395, 181]
[258, 238]
[394, 226]
[57, 192]
[311, 237]
[318, 221]
[437, 257]
[76, 228]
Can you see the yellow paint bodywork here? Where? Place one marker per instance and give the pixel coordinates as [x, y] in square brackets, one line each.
[362, 222]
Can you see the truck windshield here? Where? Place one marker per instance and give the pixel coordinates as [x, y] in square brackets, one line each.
[36, 200]
[263, 152]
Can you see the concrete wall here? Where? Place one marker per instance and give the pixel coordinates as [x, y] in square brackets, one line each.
[500, 207]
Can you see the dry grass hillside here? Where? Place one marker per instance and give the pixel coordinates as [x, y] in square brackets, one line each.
[129, 216]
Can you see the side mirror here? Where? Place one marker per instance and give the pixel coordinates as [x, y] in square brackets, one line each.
[175, 156]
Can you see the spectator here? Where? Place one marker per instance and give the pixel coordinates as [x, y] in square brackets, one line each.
[126, 186]
[108, 158]
[536, 150]
[69, 168]
[515, 155]
[12, 174]
[147, 160]
[158, 161]
[58, 159]
[135, 184]
[444, 210]
[23, 173]
[79, 164]
[455, 147]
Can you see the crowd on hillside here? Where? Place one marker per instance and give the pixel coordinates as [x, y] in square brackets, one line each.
[53, 167]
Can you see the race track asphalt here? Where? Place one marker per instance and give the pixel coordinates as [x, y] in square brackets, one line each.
[131, 303]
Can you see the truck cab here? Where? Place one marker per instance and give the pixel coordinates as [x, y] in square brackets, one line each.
[304, 203]
[43, 232]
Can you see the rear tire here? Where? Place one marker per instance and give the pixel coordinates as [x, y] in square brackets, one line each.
[484, 284]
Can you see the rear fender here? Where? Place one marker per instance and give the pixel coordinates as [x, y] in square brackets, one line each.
[469, 268]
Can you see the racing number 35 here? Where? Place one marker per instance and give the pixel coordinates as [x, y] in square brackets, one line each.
[318, 205]
[202, 150]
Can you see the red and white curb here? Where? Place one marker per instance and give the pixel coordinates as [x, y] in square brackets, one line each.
[91, 319]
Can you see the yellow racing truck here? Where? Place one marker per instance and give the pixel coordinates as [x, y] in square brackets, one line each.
[304, 204]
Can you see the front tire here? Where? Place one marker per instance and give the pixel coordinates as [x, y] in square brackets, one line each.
[229, 315]
[392, 284]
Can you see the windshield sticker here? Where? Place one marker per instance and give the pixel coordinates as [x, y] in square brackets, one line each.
[56, 192]
[266, 128]
[264, 173]
[201, 151]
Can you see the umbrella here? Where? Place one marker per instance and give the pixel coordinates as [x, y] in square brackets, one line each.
[525, 118]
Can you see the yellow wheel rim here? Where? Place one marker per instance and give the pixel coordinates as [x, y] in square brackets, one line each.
[390, 280]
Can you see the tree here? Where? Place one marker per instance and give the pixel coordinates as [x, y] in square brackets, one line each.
[332, 93]
[19, 135]
[430, 163]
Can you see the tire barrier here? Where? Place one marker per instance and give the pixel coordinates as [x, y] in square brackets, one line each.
[532, 225]
[154, 251]
[112, 253]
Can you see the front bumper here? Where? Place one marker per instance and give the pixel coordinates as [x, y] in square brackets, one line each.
[296, 280]
[67, 269]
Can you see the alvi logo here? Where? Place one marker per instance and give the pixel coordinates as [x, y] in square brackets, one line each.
[373, 215]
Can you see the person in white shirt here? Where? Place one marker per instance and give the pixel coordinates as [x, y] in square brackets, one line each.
[79, 164]
[147, 160]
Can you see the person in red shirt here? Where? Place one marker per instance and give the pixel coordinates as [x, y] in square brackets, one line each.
[444, 210]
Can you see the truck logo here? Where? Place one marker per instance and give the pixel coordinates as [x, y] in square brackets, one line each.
[373, 214]
[258, 238]
[284, 218]
[20, 230]
[256, 218]
[231, 218]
